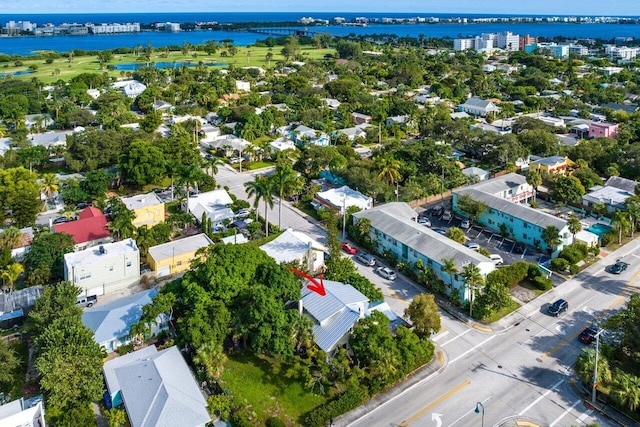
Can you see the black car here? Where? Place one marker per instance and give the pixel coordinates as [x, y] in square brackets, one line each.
[61, 220]
[618, 267]
[558, 307]
[437, 210]
[589, 335]
[83, 205]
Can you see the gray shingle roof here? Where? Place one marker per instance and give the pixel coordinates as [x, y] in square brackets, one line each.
[499, 184]
[517, 210]
[625, 184]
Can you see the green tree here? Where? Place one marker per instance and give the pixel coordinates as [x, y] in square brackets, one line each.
[45, 260]
[620, 223]
[574, 225]
[10, 274]
[20, 195]
[551, 237]
[472, 208]
[567, 189]
[625, 389]
[116, 417]
[456, 234]
[473, 279]
[142, 163]
[494, 297]
[632, 204]
[9, 363]
[50, 185]
[261, 190]
[626, 324]
[121, 218]
[284, 182]
[211, 356]
[424, 315]
[389, 169]
[449, 267]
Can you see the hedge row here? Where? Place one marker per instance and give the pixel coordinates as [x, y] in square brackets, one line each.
[350, 399]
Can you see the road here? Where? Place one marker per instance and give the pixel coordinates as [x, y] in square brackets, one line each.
[519, 374]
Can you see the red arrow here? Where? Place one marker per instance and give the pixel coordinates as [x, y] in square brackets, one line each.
[315, 286]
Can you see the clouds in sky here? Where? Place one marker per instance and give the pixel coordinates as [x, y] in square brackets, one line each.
[540, 7]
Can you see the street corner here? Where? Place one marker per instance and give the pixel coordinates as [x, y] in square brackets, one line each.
[521, 422]
[482, 328]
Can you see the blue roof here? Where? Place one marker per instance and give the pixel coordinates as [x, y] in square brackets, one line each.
[114, 319]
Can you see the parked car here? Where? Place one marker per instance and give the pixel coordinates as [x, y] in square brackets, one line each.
[519, 248]
[497, 259]
[446, 216]
[472, 245]
[386, 272]
[62, 220]
[348, 248]
[242, 213]
[618, 267]
[589, 334]
[424, 221]
[83, 205]
[233, 160]
[87, 301]
[440, 230]
[465, 224]
[437, 210]
[366, 259]
[558, 307]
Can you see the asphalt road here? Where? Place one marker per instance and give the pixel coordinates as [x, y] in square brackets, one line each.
[520, 373]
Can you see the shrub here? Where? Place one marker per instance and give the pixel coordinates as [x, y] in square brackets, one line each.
[559, 264]
[49, 60]
[240, 419]
[350, 399]
[275, 422]
[533, 272]
[390, 257]
[534, 204]
[543, 283]
[573, 269]
[608, 238]
[575, 253]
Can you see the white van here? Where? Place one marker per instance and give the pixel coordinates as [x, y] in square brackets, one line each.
[497, 259]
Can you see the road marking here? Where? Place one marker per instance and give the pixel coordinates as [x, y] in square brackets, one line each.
[456, 337]
[545, 394]
[482, 328]
[471, 349]
[526, 424]
[560, 330]
[437, 337]
[470, 411]
[565, 412]
[435, 403]
[584, 416]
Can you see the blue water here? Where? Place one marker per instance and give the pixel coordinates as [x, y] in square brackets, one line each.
[17, 73]
[161, 65]
[599, 229]
[29, 45]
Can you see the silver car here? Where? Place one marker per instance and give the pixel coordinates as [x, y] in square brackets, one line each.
[386, 272]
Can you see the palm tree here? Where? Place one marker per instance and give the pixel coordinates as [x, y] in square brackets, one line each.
[574, 225]
[189, 176]
[535, 180]
[10, 238]
[122, 218]
[620, 223]
[302, 332]
[261, 189]
[10, 274]
[213, 163]
[633, 210]
[211, 356]
[551, 237]
[285, 182]
[473, 280]
[449, 267]
[50, 185]
[626, 390]
[389, 169]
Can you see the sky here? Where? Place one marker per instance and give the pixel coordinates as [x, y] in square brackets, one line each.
[422, 7]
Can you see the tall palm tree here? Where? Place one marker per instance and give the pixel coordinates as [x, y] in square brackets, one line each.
[261, 189]
[620, 223]
[534, 179]
[50, 185]
[389, 169]
[285, 182]
[10, 237]
[449, 267]
[188, 176]
[551, 237]
[213, 163]
[633, 211]
[473, 280]
[626, 390]
[574, 225]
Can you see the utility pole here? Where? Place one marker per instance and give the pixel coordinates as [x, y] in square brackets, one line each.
[344, 216]
[595, 369]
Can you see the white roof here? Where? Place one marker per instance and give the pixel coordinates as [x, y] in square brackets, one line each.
[235, 239]
[159, 390]
[180, 246]
[214, 203]
[345, 196]
[291, 246]
[141, 200]
[113, 320]
[111, 250]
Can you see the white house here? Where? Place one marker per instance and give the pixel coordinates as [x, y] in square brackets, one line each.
[480, 173]
[340, 198]
[478, 107]
[214, 204]
[23, 412]
[111, 322]
[243, 86]
[133, 88]
[296, 247]
[103, 269]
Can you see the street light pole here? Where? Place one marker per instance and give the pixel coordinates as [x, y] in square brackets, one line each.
[479, 406]
[595, 369]
[344, 216]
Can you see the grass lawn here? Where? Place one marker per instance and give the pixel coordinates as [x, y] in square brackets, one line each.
[261, 381]
[513, 306]
[62, 69]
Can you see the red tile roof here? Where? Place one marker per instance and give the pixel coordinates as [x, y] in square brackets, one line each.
[92, 225]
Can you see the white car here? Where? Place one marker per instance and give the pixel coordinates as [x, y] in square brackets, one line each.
[472, 245]
[465, 224]
[497, 259]
[424, 221]
[446, 216]
[242, 213]
[387, 273]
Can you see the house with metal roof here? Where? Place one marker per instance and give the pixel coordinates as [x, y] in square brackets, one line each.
[552, 165]
[111, 322]
[341, 198]
[23, 412]
[157, 389]
[394, 228]
[213, 204]
[89, 230]
[148, 208]
[612, 195]
[481, 174]
[298, 248]
[176, 256]
[478, 107]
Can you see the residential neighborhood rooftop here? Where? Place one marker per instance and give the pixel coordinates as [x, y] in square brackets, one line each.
[180, 246]
[110, 250]
[290, 246]
[141, 201]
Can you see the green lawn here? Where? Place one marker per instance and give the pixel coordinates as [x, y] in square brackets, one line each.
[495, 316]
[261, 381]
[63, 69]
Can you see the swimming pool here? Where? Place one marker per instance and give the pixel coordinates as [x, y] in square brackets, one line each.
[599, 229]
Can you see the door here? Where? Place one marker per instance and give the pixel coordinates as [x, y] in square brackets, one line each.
[164, 271]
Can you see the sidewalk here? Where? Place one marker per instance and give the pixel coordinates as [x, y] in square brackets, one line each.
[436, 366]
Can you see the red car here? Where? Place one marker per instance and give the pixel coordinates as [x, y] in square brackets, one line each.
[348, 248]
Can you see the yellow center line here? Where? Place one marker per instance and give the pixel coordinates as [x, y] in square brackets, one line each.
[616, 303]
[526, 424]
[434, 404]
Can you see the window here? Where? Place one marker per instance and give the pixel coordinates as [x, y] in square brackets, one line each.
[111, 268]
[128, 263]
[524, 236]
[179, 263]
[429, 261]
